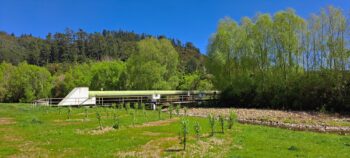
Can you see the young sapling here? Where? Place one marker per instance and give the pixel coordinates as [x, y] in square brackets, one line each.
[197, 130]
[177, 109]
[184, 131]
[170, 109]
[222, 123]
[211, 119]
[98, 116]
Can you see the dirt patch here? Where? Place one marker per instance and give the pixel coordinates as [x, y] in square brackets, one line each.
[30, 150]
[71, 121]
[158, 123]
[211, 147]
[153, 148]
[311, 121]
[96, 131]
[7, 121]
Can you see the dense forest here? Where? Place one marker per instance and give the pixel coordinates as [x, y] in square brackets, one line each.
[280, 61]
[283, 61]
[112, 60]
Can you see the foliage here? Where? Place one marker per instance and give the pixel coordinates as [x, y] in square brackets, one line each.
[153, 66]
[196, 81]
[108, 76]
[79, 46]
[282, 61]
[24, 83]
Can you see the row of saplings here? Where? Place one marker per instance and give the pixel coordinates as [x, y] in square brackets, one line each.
[171, 109]
[211, 119]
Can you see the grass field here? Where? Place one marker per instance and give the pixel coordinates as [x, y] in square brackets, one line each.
[49, 132]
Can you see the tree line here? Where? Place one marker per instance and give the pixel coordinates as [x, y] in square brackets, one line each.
[79, 47]
[283, 60]
[155, 64]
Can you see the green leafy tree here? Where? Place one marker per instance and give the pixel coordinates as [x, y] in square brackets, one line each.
[154, 65]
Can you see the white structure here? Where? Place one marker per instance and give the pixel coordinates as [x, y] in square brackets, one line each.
[78, 96]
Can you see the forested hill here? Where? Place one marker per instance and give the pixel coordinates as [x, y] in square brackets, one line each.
[80, 46]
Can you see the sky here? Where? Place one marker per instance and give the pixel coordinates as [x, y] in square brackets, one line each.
[187, 20]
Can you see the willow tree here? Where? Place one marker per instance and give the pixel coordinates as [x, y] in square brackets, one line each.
[282, 59]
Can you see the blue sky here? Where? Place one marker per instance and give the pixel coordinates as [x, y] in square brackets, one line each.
[188, 20]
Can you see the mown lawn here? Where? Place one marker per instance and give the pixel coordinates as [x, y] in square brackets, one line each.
[47, 132]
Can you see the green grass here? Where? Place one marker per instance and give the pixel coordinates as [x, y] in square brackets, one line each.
[43, 132]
